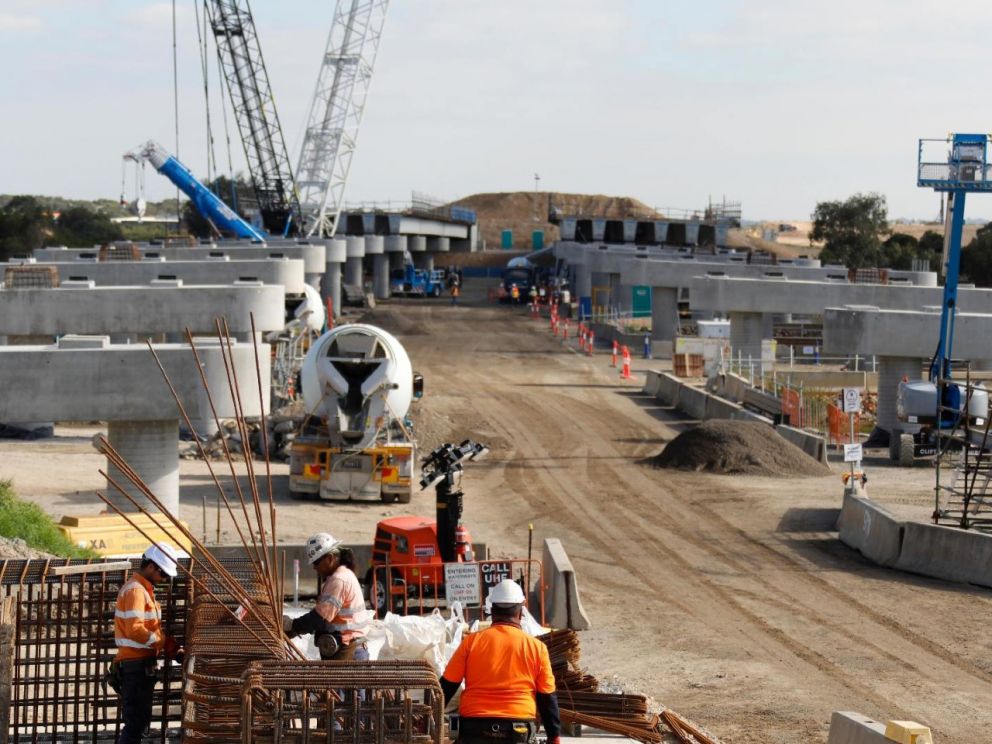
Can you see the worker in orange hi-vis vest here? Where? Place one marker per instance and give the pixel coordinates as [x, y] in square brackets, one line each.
[508, 678]
[139, 638]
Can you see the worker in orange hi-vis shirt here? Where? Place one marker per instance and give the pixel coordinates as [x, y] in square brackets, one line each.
[139, 638]
[508, 678]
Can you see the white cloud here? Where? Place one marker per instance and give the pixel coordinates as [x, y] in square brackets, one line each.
[9, 22]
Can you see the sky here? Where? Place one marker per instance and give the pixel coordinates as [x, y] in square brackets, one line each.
[775, 103]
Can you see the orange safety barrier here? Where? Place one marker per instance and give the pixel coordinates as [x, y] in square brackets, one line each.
[420, 588]
[839, 425]
[792, 407]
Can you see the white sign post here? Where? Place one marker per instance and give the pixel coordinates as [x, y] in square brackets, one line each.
[461, 584]
[850, 400]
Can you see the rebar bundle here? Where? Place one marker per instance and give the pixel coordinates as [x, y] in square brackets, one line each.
[364, 702]
[581, 702]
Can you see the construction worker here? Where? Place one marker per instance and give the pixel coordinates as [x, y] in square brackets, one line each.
[339, 621]
[139, 638]
[508, 678]
[515, 293]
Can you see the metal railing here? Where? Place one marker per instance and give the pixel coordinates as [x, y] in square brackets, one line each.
[419, 588]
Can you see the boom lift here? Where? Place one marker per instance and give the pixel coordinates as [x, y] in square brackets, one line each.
[934, 405]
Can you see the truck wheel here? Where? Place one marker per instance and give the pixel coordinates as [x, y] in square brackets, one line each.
[381, 601]
[404, 498]
[894, 436]
[906, 450]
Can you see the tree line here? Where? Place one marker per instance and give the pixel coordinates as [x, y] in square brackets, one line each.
[856, 233]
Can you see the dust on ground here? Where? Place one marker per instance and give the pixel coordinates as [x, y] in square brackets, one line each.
[737, 448]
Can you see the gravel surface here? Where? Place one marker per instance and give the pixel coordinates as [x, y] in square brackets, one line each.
[737, 448]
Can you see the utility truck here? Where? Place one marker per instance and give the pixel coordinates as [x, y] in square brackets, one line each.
[355, 442]
[416, 282]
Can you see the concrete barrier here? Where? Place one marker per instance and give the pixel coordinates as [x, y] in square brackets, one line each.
[692, 402]
[847, 727]
[871, 530]
[651, 382]
[669, 389]
[811, 444]
[764, 402]
[946, 553]
[562, 604]
[720, 408]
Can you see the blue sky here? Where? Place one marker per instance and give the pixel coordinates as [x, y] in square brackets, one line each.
[775, 103]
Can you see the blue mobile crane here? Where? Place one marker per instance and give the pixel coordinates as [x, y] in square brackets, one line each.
[932, 405]
[207, 203]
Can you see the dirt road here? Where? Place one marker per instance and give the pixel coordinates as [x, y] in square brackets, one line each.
[727, 598]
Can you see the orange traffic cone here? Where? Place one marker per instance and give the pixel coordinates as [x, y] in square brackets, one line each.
[625, 373]
[589, 341]
[613, 357]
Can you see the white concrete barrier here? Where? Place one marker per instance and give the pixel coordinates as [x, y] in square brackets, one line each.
[811, 444]
[651, 382]
[562, 604]
[946, 553]
[847, 727]
[870, 529]
[692, 402]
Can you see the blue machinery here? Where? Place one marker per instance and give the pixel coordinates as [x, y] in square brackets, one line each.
[936, 404]
[206, 202]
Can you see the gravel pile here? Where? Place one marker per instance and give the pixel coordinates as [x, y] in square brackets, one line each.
[737, 448]
[15, 547]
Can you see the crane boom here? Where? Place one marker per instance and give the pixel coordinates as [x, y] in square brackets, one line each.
[240, 57]
[336, 111]
[206, 201]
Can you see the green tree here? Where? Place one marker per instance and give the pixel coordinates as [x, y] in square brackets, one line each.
[80, 227]
[976, 259]
[24, 225]
[851, 230]
[932, 243]
[240, 197]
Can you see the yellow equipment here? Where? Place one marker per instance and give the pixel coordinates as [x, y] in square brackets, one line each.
[111, 535]
[908, 732]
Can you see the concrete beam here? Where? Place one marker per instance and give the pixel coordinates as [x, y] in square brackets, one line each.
[726, 294]
[901, 333]
[423, 226]
[312, 254]
[143, 310]
[286, 272]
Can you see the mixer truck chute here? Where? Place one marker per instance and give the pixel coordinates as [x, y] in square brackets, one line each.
[357, 384]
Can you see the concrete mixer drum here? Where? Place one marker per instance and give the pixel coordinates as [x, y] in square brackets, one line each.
[357, 381]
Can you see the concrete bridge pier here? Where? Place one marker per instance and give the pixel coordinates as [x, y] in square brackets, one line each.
[664, 315]
[375, 246]
[747, 331]
[336, 253]
[395, 248]
[424, 261]
[353, 263]
[151, 449]
[583, 284]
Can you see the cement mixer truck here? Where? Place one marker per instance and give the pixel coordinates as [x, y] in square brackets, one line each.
[355, 444]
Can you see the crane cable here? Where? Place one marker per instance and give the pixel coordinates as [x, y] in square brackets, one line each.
[201, 39]
[175, 95]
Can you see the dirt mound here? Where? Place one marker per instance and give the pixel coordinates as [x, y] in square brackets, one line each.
[737, 448]
[15, 547]
[523, 212]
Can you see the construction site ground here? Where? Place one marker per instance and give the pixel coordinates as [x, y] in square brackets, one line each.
[727, 598]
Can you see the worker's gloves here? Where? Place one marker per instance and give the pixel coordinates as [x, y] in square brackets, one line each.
[287, 625]
[174, 651]
[556, 740]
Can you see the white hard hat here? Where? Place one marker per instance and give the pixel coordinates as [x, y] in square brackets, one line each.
[320, 545]
[164, 556]
[506, 592]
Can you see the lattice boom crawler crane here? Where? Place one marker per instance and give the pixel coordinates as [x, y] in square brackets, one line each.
[929, 406]
[357, 384]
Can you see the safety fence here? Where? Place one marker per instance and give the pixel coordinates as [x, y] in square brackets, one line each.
[62, 615]
[420, 588]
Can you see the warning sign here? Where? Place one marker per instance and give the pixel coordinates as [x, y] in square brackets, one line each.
[493, 572]
[461, 583]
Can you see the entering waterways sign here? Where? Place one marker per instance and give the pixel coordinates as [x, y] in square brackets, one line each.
[461, 583]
